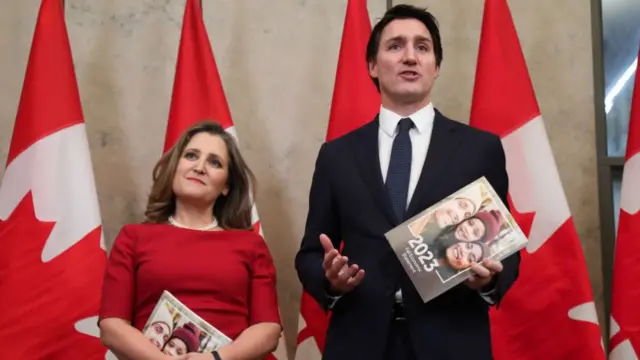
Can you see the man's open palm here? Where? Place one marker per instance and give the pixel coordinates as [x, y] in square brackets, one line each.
[342, 276]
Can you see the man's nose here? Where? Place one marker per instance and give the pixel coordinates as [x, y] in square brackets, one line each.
[409, 55]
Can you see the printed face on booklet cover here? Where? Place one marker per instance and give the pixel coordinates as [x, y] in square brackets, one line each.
[171, 334]
[463, 230]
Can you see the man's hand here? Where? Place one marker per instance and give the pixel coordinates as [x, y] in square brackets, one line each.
[483, 273]
[343, 278]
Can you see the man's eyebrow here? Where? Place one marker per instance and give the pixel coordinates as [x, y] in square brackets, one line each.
[395, 38]
[403, 38]
[423, 38]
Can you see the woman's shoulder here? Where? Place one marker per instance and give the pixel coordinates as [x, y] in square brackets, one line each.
[243, 235]
[248, 239]
[141, 226]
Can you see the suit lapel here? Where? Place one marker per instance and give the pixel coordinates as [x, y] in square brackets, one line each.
[441, 146]
[368, 160]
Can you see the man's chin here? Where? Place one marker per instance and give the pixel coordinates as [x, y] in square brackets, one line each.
[405, 92]
[411, 89]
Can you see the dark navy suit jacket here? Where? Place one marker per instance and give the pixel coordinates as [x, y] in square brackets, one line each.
[348, 202]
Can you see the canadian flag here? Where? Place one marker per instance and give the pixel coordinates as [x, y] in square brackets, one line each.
[53, 254]
[198, 95]
[355, 102]
[549, 312]
[625, 316]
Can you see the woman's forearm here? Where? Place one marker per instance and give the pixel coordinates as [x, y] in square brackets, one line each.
[256, 342]
[126, 342]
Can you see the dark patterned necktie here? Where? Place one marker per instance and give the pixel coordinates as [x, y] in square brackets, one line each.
[399, 170]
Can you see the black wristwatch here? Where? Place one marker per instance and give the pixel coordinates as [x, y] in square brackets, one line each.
[216, 356]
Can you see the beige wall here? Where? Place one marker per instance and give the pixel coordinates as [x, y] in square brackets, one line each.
[277, 60]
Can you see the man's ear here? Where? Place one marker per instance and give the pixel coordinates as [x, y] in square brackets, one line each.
[373, 69]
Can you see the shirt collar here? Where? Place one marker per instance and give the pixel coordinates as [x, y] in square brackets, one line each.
[423, 119]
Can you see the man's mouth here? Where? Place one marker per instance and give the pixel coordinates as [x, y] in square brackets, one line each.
[409, 75]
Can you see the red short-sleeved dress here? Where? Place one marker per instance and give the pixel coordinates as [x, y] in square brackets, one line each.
[226, 277]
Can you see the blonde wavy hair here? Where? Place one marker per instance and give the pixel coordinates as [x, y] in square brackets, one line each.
[233, 211]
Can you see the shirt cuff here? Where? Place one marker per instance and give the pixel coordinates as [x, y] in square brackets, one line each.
[332, 300]
[487, 295]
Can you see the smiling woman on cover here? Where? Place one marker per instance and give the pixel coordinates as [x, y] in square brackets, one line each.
[196, 243]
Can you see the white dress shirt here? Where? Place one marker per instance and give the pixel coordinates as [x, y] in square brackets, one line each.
[420, 136]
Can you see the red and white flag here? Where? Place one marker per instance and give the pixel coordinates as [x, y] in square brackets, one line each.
[625, 293]
[355, 102]
[549, 313]
[198, 94]
[53, 255]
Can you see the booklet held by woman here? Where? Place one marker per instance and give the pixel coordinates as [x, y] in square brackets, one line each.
[176, 330]
[437, 246]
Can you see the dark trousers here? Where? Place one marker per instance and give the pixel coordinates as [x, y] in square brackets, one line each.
[399, 346]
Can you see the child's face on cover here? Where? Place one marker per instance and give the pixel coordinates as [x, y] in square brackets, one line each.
[461, 255]
[472, 229]
[175, 347]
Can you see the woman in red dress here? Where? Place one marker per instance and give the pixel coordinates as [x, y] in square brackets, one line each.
[197, 243]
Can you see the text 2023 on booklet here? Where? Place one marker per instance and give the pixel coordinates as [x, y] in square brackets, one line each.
[437, 246]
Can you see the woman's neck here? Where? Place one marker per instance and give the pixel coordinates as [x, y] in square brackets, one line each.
[194, 217]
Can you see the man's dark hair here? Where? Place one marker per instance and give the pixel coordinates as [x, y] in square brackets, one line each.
[403, 11]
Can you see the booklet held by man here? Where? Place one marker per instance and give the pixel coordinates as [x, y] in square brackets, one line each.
[176, 330]
[438, 245]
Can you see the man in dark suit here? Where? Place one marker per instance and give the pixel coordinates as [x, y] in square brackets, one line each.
[372, 179]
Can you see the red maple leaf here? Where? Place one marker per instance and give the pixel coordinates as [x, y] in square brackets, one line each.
[552, 281]
[41, 302]
[317, 321]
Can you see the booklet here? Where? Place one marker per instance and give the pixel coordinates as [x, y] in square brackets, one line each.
[176, 330]
[437, 246]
